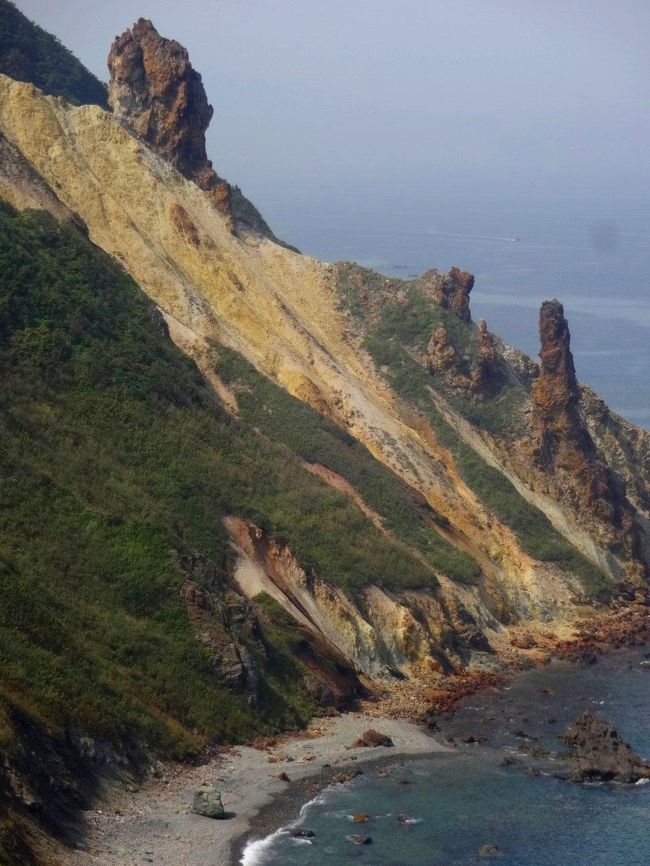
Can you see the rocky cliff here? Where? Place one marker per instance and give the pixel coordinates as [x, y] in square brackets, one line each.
[157, 93]
[342, 481]
[565, 450]
[287, 315]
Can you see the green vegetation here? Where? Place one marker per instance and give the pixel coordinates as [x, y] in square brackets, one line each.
[408, 325]
[308, 434]
[409, 315]
[116, 464]
[29, 53]
[411, 324]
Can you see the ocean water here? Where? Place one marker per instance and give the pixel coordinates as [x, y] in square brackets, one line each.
[441, 811]
[595, 259]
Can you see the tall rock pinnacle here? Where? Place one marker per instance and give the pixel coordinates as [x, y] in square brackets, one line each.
[156, 92]
[556, 394]
[457, 290]
[565, 449]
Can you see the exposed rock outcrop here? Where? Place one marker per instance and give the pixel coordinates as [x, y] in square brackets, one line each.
[487, 371]
[386, 635]
[555, 393]
[454, 292]
[157, 92]
[450, 290]
[440, 351]
[600, 754]
[225, 625]
[564, 448]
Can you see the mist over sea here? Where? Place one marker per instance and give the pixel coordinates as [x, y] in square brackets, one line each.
[594, 258]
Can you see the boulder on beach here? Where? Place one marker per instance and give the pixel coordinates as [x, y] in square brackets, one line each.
[207, 801]
[599, 753]
[372, 738]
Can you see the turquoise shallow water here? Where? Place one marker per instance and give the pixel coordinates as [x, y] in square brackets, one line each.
[440, 811]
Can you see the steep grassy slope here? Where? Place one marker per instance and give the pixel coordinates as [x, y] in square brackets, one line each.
[29, 53]
[284, 419]
[396, 337]
[116, 467]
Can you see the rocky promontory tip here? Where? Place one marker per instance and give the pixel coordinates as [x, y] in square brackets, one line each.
[155, 90]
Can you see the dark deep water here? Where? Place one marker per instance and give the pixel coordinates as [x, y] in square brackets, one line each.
[456, 803]
[595, 259]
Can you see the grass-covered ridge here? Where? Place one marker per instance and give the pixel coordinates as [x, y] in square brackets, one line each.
[116, 463]
[29, 53]
[396, 333]
[403, 310]
[287, 420]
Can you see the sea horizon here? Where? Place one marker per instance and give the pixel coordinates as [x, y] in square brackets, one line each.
[595, 260]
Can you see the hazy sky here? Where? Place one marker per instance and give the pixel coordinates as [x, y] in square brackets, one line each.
[400, 100]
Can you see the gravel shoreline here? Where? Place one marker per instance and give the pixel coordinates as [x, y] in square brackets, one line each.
[153, 824]
[285, 807]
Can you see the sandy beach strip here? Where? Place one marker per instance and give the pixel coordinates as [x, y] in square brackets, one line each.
[153, 824]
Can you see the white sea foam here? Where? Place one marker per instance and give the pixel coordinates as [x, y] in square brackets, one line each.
[256, 851]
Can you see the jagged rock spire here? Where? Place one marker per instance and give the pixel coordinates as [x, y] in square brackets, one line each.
[155, 90]
[457, 288]
[557, 365]
[450, 290]
[556, 395]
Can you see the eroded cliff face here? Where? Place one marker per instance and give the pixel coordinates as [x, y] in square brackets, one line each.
[287, 315]
[157, 93]
[384, 634]
[565, 449]
[155, 90]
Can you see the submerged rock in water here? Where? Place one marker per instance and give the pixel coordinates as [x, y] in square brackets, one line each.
[359, 840]
[207, 801]
[601, 754]
[489, 851]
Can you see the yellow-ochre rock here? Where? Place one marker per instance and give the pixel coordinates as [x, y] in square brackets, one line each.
[279, 310]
